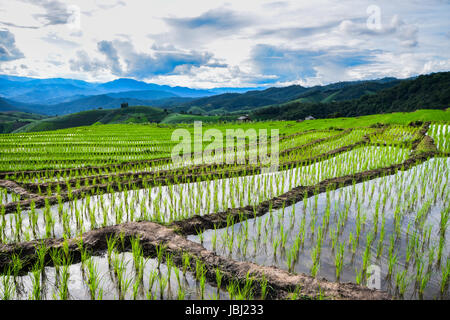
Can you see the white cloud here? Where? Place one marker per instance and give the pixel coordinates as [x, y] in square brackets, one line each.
[216, 43]
[8, 48]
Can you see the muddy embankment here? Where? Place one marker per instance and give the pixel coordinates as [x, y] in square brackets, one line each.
[280, 283]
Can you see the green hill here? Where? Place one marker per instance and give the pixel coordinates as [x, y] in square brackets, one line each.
[174, 118]
[86, 118]
[13, 120]
[425, 92]
[230, 102]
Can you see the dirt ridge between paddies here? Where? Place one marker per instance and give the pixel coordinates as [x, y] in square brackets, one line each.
[152, 236]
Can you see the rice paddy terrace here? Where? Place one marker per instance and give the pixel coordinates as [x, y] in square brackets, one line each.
[101, 212]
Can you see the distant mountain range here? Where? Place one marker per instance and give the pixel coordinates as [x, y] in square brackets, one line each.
[289, 103]
[58, 90]
[65, 96]
[58, 96]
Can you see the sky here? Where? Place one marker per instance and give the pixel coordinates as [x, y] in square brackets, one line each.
[211, 43]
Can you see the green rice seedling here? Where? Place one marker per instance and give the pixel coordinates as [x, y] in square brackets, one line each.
[367, 252]
[8, 286]
[445, 271]
[334, 238]
[137, 252]
[423, 284]
[200, 235]
[391, 245]
[445, 220]
[320, 295]
[290, 260]
[202, 284]
[111, 243]
[136, 286]
[296, 294]
[163, 281]
[85, 256]
[232, 289]
[275, 244]
[17, 265]
[380, 245]
[93, 281]
[440, 249]
[401, 281]
[359, 276]
[181, 293]
[169, 264]
[122, 240]
[151, 280]
[352, 242]
[247, 291]
[315, 268]
[36, 293]
[431, 254]
[339, 260]
[199, 269]
[123, 283]
[160, 249]
[263, 284]
[56, 259]
[219, 276]
[63, 292]
[176, 271]
[41, 252]
[186, 262]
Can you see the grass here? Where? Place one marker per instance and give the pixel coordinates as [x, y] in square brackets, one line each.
[105, 116]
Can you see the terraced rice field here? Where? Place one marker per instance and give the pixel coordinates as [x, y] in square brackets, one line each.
[101, 212]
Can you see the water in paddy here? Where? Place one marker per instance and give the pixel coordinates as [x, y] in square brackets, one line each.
[411, 206]
[6, 197]
[161, 288]
[441, 136]
[181, 201]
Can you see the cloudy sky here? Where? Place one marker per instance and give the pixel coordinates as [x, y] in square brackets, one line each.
[212, 43]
